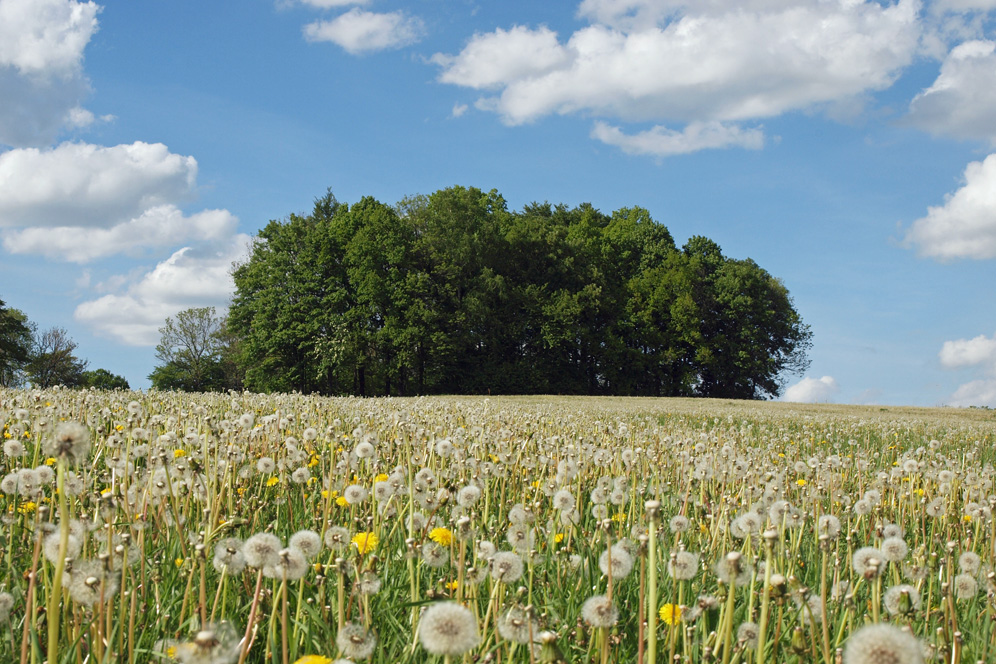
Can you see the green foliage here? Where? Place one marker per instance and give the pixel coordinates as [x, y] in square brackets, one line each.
[15, 344]
[198, 353]
[53, 361]
[102, 379]
[453, 293]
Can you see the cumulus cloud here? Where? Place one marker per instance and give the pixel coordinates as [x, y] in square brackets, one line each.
[812, 390]
[358, 31]
[160, 226]
[41, 73]
[78, 184]
[962, 101]
[191, 277]
[662, 142]
[965, 226]
[682, 62]
[979, 354]
[980, 350]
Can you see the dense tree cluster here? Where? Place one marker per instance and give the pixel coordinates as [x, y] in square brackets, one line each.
[44, 359]
[454, 293]
[197, 353]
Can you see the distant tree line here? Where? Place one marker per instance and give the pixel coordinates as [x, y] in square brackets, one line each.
[454, 293]
[45, 359]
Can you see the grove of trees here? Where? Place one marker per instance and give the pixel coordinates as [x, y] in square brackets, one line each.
[454, 293]
[44, 359]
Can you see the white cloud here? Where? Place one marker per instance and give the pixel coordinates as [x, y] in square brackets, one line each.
[160, 226]
[978, 353]
[980, 350]
[459, 109]
[812, 390]
[41, 74]
[189, 278]
[962, 101]
[722, 63]
[975, 393]
[358, 31]
[966, 5]
[662, 142]
[965, 226]
[90, 185]
[521, 53]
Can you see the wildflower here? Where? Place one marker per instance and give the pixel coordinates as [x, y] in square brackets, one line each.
[558, 538]
[215, 644]
[228, 557]
[70, 441]
[354, 493]
[273, 481]
[262, 550]
[800, 482]
[747, 634]
[447, 628]
[670, 614]
[683, 565]
[868, 560]
[506, 567]
[517, 625]
[434, 555]
[337, 538]
[564, 500]
[468, 495]
[965, 586]
[442, 536]
[679, 524]
[733, 569]
[301, 475]
[27, 507]
[599, 611]
[881, 643]
[969, 562]
[616, 562]
[177, 453]
[901, 599]
[6, 604]
[894, 549]
[355, 641]
[313, 659]
[308, 541]
[368, 584]
[341, 501]
[266, 465]
[365, 542]
[828, 525]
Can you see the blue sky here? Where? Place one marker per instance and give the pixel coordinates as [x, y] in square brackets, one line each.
[848, 147]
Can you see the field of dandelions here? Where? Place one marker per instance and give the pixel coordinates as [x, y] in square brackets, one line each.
[216, 529]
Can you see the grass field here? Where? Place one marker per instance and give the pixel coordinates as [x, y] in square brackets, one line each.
[217, 529]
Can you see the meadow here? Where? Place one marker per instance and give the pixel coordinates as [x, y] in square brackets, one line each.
[231, 528]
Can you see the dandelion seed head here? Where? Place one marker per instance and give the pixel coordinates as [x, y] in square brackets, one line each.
[447, 628]
[599, 611]
[506, 567]
[355, 641]
[616, 562]
[262, 550]
[307, 541]
[894, 549]
[882, 644]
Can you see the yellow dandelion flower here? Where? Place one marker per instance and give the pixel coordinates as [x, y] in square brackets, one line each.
[452, 585]
[365, 542]
[313, 659]
[241, 490]
[179, 453]
[670, 614]
[920, 492]
[50, 461]
[967, 518]
[381, 478]
[619, 517]
[441, 536]
[28, 507]
[179, 562]
[800, 482]
[558, 538]
[314, 462]
[273, 481]
[341, 501]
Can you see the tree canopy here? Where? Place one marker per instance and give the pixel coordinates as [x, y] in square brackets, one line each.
[454, 293]
[15, 344]
[196, 351]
